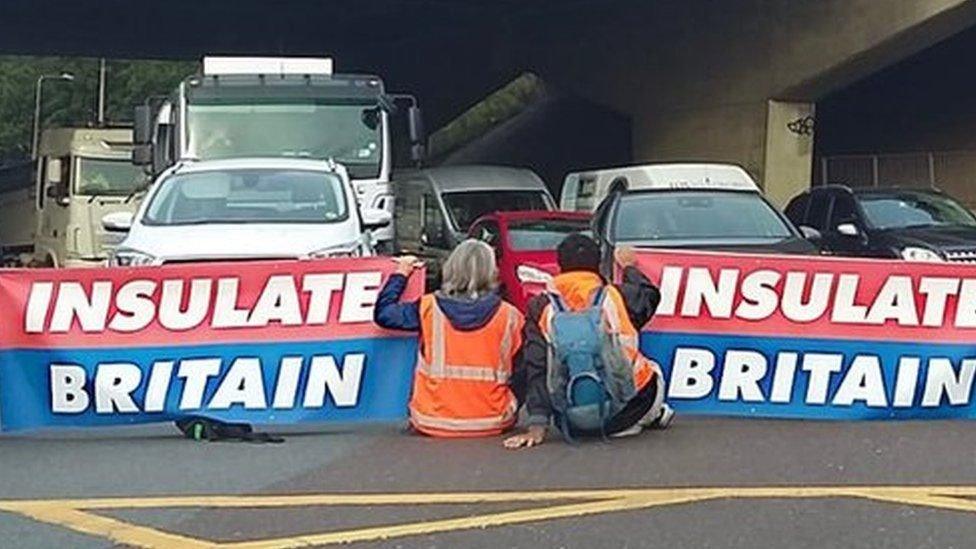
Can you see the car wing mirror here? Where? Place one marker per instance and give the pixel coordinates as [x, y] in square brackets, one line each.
[117, 222]
[376, 218]
[848, 229]
[810, 233]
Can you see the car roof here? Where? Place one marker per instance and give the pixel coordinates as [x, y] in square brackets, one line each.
[863, 191]
[271, 163]
[527, 215]
[873, 190]
[478, 178]
[680, 175]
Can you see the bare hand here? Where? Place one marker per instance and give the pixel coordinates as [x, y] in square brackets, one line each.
[625, 256]
[531, 437]
[407, 263]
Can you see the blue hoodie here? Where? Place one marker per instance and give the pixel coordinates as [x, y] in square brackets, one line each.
[463, 314]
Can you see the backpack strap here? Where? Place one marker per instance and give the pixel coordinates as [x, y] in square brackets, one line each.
[598, 295]
[557, 302]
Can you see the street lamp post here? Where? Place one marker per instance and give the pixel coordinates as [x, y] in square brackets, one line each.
[66, 76]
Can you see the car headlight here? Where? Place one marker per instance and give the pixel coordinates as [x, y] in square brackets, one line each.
[532, 275]
[345, 250]
[914, 253]
[127, 257]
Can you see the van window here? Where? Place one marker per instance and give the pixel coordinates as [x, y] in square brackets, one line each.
[586, 194]
[408, 207]
[465, 207]
[433, 222]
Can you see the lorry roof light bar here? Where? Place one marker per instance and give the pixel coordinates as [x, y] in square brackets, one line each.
[216, 66]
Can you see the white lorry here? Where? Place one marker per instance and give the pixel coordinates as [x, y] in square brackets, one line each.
[285, 107]
[81, 175]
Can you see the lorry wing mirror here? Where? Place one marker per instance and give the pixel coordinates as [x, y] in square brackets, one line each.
[142, 131]
[418, 136]
[142, 154]
[117, 222]
[57, 192]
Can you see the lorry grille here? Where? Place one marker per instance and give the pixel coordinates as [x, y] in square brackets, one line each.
[962, 256]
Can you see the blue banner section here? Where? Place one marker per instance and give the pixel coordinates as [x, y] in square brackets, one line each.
[339, 381]
[814, 378]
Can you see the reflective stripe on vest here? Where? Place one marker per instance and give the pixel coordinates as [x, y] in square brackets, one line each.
[438, 367]
[467, 424]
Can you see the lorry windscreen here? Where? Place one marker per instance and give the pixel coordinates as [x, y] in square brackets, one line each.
[696, 216]
[348, 133]
[248, 196]
[107, 177]
[465, 207]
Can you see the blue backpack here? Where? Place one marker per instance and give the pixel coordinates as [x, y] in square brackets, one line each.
[590, 379]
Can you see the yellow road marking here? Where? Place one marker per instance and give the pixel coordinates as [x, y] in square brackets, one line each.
[75, 513]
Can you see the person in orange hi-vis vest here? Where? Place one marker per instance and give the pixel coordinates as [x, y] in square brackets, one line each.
[628, 306]
[469, 338]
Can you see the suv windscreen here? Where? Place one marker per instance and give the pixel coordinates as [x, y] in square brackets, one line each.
[465, 207]
[913, 209]
[543, 234]
[248, 196]
[697, 216]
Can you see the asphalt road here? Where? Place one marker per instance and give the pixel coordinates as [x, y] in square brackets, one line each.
[701, 484]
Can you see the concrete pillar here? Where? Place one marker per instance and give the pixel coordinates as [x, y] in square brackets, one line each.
[789, 150]
[715, 133]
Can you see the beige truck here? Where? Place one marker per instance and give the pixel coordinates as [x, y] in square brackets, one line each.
[82, 174]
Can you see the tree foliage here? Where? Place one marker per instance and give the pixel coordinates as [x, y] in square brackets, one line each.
[128, 83]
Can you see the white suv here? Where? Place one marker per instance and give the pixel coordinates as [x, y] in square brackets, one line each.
[261, 208]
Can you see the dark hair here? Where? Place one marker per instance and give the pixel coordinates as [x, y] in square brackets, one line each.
[578, 252]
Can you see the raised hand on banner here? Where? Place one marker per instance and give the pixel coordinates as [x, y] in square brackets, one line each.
[625, 256]
[407, 263]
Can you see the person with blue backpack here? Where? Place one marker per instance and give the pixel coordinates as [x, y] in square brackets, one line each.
[584, 370]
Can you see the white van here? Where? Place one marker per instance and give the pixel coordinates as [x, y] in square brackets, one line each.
[584, 191]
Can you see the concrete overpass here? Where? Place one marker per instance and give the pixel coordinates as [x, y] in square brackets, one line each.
[697, 79]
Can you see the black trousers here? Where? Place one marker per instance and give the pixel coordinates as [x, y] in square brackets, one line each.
[625, 419]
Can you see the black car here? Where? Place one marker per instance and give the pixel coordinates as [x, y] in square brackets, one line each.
[719, 219]
[912, 224]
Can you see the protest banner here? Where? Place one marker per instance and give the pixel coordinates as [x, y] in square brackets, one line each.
[813, 337]
[262, 342]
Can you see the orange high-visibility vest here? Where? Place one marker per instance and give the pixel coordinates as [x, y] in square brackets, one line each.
[460, 386]
[617, 322]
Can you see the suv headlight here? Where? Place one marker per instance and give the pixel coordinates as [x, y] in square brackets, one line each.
[127, 257]
[344, 250]
[532, 275]
[914, 253]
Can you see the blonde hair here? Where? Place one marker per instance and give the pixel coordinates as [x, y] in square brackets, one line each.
[469, 271]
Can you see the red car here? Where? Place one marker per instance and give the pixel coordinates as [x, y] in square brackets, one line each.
[525, 247]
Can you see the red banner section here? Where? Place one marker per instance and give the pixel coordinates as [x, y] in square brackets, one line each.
[201, 303]
[813, 296]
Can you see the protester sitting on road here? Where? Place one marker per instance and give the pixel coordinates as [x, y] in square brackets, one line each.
[469, 338]
[620, 310]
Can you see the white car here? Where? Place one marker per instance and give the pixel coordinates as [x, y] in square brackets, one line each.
[261, 208]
